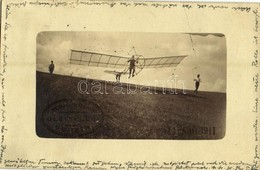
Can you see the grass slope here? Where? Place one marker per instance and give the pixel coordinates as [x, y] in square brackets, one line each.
[139, 116]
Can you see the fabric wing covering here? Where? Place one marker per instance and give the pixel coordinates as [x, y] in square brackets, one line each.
[113, 61]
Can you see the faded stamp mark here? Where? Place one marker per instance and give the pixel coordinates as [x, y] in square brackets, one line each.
[72, 117]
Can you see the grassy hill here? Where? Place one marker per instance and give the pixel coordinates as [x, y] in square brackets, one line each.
[139, 115]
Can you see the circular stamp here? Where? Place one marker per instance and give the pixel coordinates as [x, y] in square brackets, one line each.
[72, 117]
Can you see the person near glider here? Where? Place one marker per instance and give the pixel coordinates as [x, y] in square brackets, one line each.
[118, 76]
[197, 83]
[132, 62]
[51, 67]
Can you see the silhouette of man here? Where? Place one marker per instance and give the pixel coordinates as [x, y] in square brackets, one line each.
[118, 75]
[132, 66]
[197, 83]
[51, 67]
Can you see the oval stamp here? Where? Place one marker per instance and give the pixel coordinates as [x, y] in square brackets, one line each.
[72, 117]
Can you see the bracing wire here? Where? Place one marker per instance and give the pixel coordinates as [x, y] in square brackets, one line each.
[195, 56]
[194, 51]
[192, 44]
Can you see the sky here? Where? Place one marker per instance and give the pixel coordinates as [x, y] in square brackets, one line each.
[206, 56]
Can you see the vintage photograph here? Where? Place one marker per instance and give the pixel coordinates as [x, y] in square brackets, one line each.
[131, 85]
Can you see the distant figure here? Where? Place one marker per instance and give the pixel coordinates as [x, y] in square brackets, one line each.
[51, 67]
[197, 83]
[132, 66]
[118, 75]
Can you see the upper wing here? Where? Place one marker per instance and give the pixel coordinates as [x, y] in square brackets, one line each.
[97, 59]
[170, 61]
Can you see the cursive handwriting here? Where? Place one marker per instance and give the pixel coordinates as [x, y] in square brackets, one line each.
[3, 115]
[218, 7]
[255, 62]
[52, 4]
[201, 6]
[240, 8]
[7, 12]
[255, 108]
[4, 59]
[130, 165]
[256, 81]
[256, 19]
[5, 48]
[256, 91]
[255, 40]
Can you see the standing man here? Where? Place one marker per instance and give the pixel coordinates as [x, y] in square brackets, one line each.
[51, 67]
[132, 66]
[118, 75]
[197, 83]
